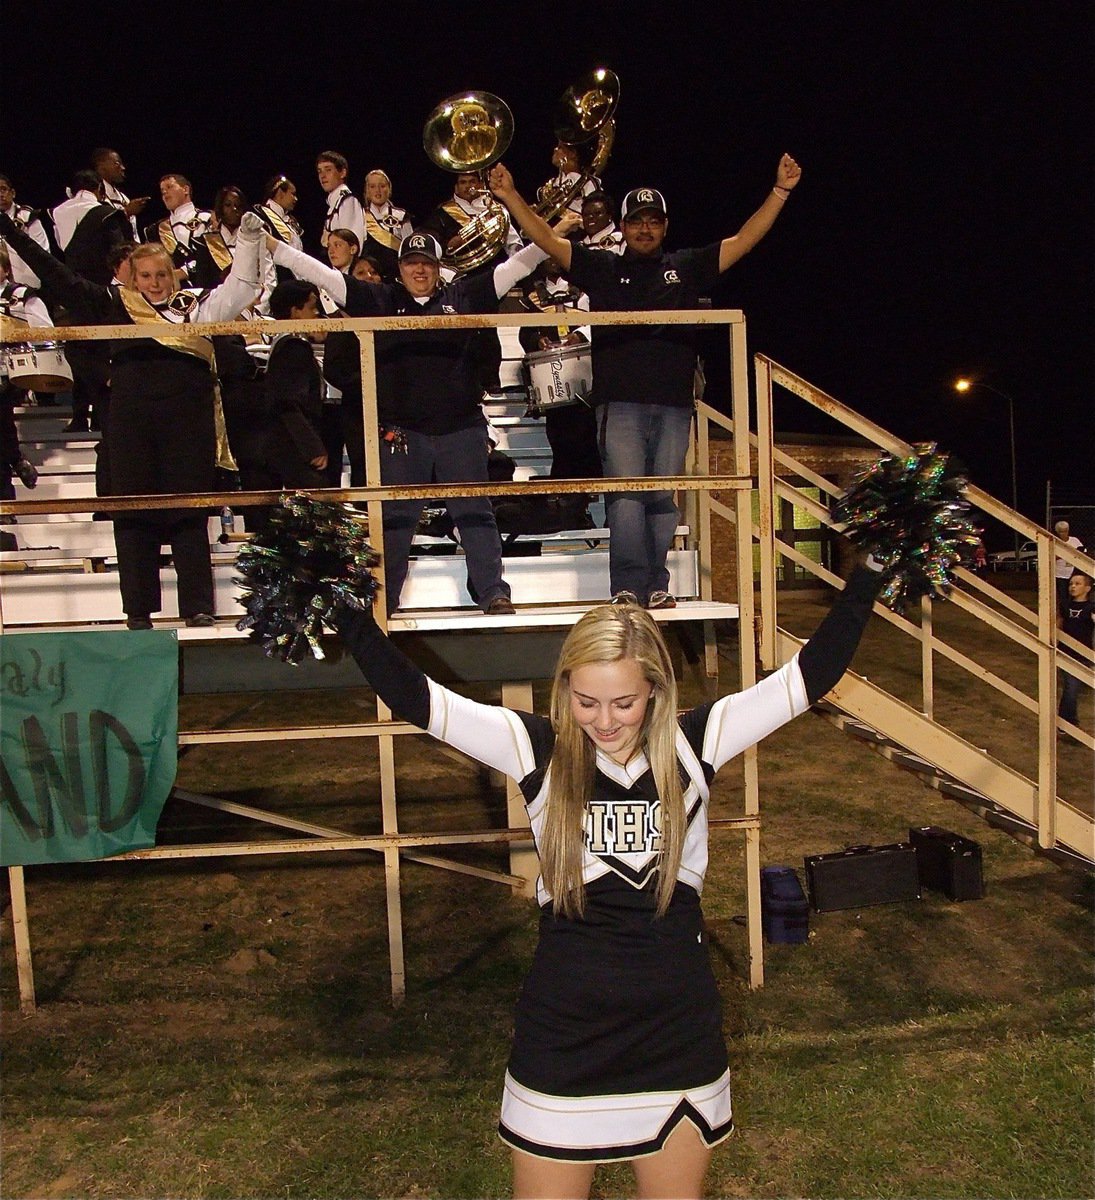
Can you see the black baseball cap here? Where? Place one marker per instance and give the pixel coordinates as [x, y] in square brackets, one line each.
[420, 245]
[642, 200]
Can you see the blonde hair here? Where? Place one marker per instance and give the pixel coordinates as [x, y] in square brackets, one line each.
[151, 250]
[608, 634]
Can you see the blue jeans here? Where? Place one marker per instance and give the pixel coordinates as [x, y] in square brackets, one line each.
[1070, 697]
[459, 457]
[642, 439]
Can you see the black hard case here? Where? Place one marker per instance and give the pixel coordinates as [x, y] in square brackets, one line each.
[948, 862]
[784, 911]
[862, 876]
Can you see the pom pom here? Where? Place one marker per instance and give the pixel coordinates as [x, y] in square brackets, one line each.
[909, 515]
[311, 557]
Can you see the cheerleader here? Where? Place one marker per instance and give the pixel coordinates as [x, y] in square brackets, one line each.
[618, 1052]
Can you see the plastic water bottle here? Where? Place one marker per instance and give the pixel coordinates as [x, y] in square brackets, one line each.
[228, 525]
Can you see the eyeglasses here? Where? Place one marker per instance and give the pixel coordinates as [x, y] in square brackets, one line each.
[655, 222]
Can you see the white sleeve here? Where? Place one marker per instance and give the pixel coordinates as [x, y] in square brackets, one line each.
[352, 216]
[514, 269]
[228, 300]
[36, 232]
[310, 269]
[739, 721]
[492, 735]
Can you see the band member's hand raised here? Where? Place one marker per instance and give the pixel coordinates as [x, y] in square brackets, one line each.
[136, 206]
[567, 223]
[788, 173]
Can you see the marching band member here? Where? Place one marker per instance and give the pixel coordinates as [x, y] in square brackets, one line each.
[572, 428]
[109, 167]
[386, 225]
[469, 200]
[568, 166]
[22, 305]
[28, 221]
[180, 231]
[163, 432]
[344, 210]
[218, 243]
[88, 231]
[600, 229]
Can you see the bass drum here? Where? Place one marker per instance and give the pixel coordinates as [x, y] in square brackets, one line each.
[560, 376]
[40, 368]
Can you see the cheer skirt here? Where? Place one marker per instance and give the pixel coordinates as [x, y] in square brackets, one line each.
[617, 1036]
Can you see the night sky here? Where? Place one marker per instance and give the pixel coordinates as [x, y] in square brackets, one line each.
[943, 224]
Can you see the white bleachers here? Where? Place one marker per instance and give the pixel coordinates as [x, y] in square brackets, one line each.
[65, 569]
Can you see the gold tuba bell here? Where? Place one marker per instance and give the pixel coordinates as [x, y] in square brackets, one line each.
[586, 110]
[471, 132]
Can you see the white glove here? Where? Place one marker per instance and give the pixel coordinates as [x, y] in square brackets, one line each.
[251, 228]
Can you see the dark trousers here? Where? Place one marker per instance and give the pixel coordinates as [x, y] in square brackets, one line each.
[160, 444]
[459, 457]
[572, 436]
[353, 434]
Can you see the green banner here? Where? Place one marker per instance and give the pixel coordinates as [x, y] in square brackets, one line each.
[88, 742]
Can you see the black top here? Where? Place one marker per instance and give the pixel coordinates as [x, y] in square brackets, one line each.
[405, 689]
[294, 394]
[1076, 619]
[644, 364]
[427, 380]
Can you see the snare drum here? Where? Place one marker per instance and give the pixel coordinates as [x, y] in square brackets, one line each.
[560, 376]
[40, 368]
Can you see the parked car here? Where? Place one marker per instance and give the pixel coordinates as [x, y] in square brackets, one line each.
[1005, 560]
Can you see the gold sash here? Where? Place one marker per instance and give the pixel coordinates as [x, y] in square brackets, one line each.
[378, 233]
[218, 251]
[167, 236]
[456, 212]
[142, 313]
[281, 228]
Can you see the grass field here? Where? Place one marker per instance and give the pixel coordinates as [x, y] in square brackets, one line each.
[222, 1028]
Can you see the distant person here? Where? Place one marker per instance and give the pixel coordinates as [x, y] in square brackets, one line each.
[645, 375]
[1062, 570]
[386, 224]
[29, 222]
[295, 452]
[598, 224]
[344, 210]
[181, 230]
[88, 234]
[1077, 619]
[108, 165]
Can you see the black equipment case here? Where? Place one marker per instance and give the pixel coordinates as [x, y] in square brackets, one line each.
[948, 862]
[862, 876]
[784, 911]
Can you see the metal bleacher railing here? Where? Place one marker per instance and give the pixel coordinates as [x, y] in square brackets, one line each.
[394, 846]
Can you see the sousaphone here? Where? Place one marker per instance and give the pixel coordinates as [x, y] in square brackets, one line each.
[586, 111]
[471, 132]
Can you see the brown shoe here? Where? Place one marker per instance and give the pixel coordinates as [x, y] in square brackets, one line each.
[500, 606]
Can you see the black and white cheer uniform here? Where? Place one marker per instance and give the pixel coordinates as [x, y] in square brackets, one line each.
[618, 1028]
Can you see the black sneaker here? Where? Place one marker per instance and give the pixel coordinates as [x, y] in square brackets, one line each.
[27, 472]
[500, 606]
[77, 425]
[661, 600]
[201, 621]
[138, 623]
[624, 597]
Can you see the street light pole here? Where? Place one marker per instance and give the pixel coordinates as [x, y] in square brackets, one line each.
[964, 385]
